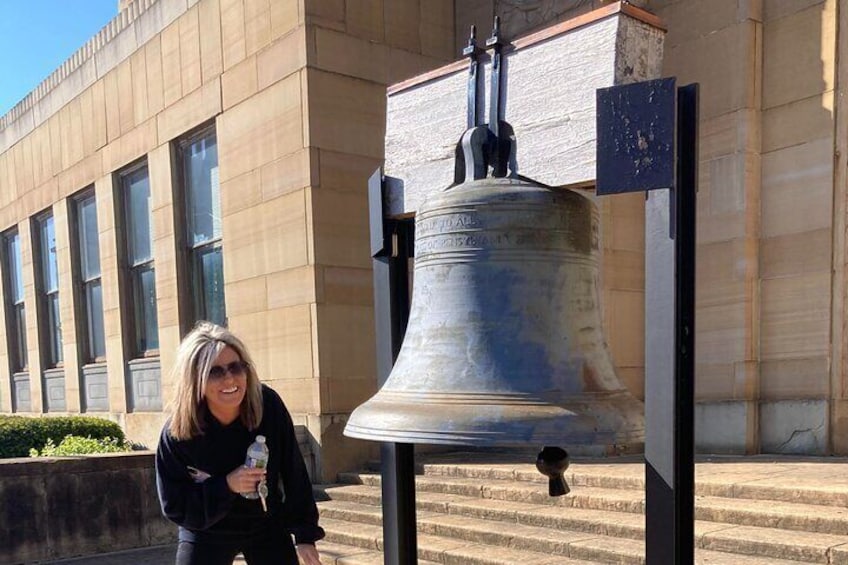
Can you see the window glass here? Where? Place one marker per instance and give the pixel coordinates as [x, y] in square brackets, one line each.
[88, 237]
[94, 315]
[51, 329]
[146, 318]
[139, 245]
[138, 216]
[199, 157]
[17, 269]
[201, 169]
[212, 285]
[16, 313]
[94, 341]
[54, 336]
[19, 333]
[49, 264]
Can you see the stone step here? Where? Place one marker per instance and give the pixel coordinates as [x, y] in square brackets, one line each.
[441, 549]
[617, 524]
[338, 554]
[447, 551]
[820, 481]
[516, 491]
[601, 522]
[624, 474]
[773, 514]
[769, 514]
[516, 525]
[497, 534]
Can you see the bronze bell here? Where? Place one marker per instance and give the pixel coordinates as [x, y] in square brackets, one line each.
[504, 345]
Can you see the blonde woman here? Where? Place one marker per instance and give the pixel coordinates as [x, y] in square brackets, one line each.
[219, 408]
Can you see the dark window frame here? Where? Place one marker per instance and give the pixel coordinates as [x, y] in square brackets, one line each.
[48, 306]
[16, 338]
[136, 344]
[84, 284]
[191, 253]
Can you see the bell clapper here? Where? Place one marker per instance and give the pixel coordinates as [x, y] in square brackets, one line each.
[552, 462]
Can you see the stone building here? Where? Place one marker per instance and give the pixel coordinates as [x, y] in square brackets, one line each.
[208, 159]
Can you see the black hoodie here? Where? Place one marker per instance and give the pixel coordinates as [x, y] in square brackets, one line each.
[191, 478]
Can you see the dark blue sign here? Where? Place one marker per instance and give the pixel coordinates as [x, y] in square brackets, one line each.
[636, 136]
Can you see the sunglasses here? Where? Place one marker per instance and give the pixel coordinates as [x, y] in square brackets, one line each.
[236, 369]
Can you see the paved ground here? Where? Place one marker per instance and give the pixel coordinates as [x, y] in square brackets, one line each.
[160, 555]
[148, 556]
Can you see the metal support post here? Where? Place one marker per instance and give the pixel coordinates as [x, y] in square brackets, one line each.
[391, 248]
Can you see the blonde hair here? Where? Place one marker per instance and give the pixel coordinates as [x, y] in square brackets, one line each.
[195, 358]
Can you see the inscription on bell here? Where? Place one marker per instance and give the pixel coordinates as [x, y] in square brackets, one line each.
[448, 223]
[543, 242]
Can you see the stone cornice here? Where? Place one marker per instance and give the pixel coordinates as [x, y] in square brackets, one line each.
[140, 21]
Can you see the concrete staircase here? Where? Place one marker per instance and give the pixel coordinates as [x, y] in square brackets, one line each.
[493, 509]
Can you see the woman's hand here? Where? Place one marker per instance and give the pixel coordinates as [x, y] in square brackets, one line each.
[307, 554]
[244, 479]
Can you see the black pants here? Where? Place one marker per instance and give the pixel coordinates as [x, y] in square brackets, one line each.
[278, 550]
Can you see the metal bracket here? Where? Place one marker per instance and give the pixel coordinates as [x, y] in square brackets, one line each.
[473, 53]
[494, 42]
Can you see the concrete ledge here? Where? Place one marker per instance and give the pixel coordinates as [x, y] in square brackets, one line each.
[56, 508]
[720, 427]
[794, 427]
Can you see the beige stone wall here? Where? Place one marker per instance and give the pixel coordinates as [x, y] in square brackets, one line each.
[766, 70]
[799, 48]
[839, 319]
[719, 45]
[623, 285]
[354, 50]
[67, 314]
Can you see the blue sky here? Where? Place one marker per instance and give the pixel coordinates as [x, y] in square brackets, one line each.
[36, 36]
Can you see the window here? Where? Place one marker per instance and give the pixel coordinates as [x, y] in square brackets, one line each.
[15, 312]
[48, 289]
[198, 156]
[141, 287]
[90, 291]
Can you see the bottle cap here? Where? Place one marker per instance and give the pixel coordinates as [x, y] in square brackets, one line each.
[260, 439]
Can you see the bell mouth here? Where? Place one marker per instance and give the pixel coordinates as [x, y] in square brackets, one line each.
[489, 420]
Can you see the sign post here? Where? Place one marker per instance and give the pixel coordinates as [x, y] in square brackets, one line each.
[647, 139]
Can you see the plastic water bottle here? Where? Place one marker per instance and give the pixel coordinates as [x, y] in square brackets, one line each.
[257, 458]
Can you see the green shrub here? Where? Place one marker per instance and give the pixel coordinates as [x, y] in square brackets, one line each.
[76, 445]
[19, 434]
